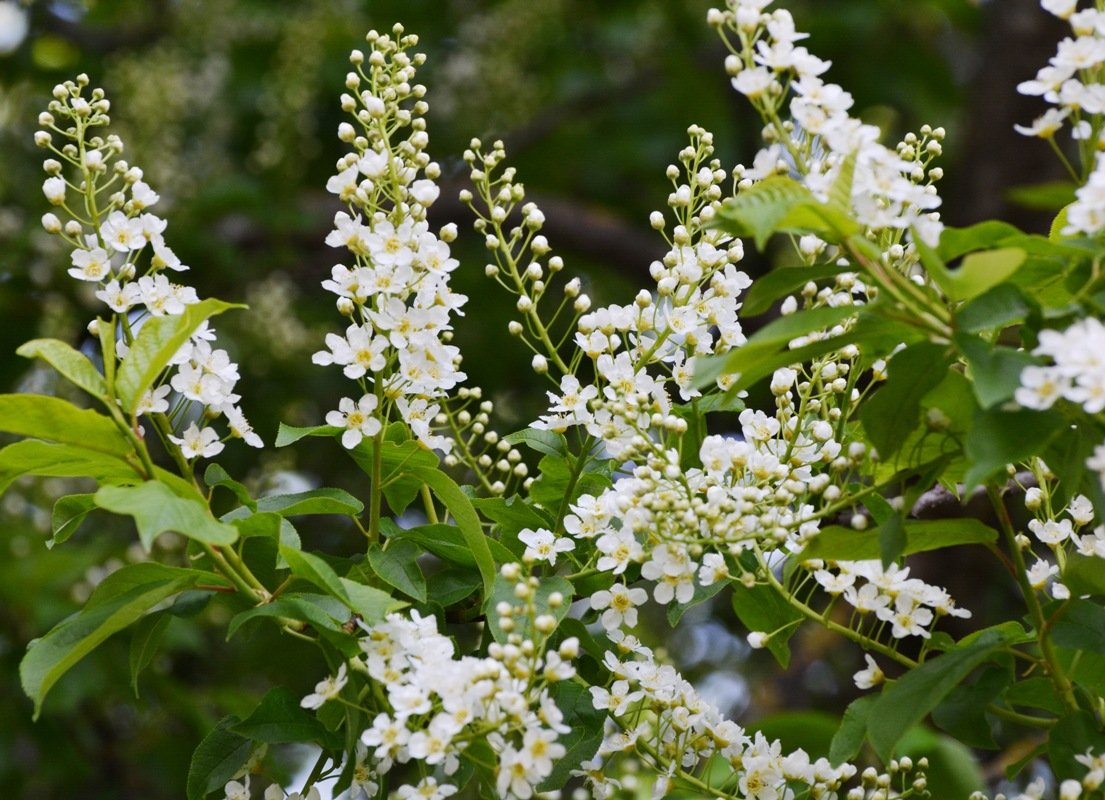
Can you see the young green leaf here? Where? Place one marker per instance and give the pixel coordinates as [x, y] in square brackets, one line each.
[144, 643]
[761, 609]
[313, 569]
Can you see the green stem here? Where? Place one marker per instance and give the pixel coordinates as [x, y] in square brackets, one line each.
[428, 503]
[375, 500]
[1054, 668]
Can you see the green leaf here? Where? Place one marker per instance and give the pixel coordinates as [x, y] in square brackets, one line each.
[546, 442]
[106, 331]
[144, 643]
[1081, 627]
[1003, 305]
[458, 504]
[279, 719]
[57, 420]
[503, 592]
[322, 612]
[1035, 693]
[584, 738]
[849, 737]
[999, 438]
[217, 476]
[121, 599]
[316, 501]
[1072, 736]
[953, 769]
[35, 457]
[217, 759]
[909, 699]
[444, 541]
[398, 566]
[996, 371]
[778, 283]
[955, 242]
[69, 512]
[760, 608]
[156, 510]
[837, 543]
[313, 569]
[1046, 196]
[1084, 575]
[1055, 232]
[984, 270]
[894, 411]
[893, 539]
[963, 712]
[72, 364]
[371, 605]
[158, 340]
[759, 210]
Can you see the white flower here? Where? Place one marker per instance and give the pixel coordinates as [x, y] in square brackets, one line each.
[356, 418]
[93, 264]
[757, 640]
[325, 690]
[543, 545]
[620, 604]
[870, 677]
[237, 791]
[198, 442]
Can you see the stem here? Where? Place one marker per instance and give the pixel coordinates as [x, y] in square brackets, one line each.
[377, 490]
[428, 502]
[1055, 670]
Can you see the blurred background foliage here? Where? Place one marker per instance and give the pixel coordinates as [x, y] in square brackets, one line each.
[230, 107]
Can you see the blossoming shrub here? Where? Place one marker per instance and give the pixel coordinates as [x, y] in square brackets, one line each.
[485, 639]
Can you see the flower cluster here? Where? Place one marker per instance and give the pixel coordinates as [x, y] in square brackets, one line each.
[119, 247]
[908, 605]
[1072, 80]
[1061, 529]
[891, 192]
[395, 290]
[658, 717]
[1077, 374]
[1074, 83]
[433, 705]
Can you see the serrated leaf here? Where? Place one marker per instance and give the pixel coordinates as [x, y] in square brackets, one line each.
[121, 599]
[70, 363]
[996, 371]
[158, 340]
[157, 509]
[398, 566]
[217, 759]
